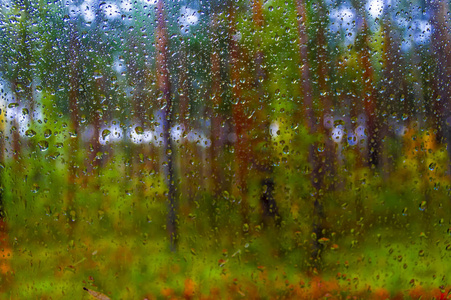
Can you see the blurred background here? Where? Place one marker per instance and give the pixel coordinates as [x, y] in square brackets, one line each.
[225, 149]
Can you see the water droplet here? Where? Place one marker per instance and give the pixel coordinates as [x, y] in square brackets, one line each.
[286, 150]
[105, 133]
[323, 241]
[35, 188]
[30, 133]
[43, 145]
[423, 205]
[97, 74]
[47, 133]
[139, 130]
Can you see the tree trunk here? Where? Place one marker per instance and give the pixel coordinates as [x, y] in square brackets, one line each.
[214, 112]
[74, 82]
[315, 156]
[441, 49]
[165, 97]
[262, 155]
[238, 81]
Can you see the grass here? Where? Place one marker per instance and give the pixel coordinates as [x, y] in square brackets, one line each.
[111, 238]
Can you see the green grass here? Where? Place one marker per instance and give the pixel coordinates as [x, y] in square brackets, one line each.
[112, 238]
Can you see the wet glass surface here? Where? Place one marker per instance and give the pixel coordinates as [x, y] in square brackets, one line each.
[215, 149]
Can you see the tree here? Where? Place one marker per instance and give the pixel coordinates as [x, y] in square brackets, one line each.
[239, 79]
[441, 49]
[165, 102]
[262, 155]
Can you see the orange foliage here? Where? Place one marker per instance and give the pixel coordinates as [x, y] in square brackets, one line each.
[381, 294]
[5, 250]
[415, 141]
[316, 288]
[421, 293]
[190, 288]
[168, 293]
[320, 288]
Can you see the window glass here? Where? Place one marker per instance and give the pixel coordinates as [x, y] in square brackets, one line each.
[162, 149]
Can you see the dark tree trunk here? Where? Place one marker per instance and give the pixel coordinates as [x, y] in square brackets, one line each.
[318, 165]
[262, 155]
[269, 204]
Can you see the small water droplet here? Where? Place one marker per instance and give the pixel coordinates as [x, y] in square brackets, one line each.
[139, 130]
[323, 241]
[30, 133]
[43, 145]
[105, 133]
[423, 205]
[35, 188]
[47, 133]
[404, 211]
[286, 150]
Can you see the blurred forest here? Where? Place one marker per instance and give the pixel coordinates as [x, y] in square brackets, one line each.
[208, 149]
